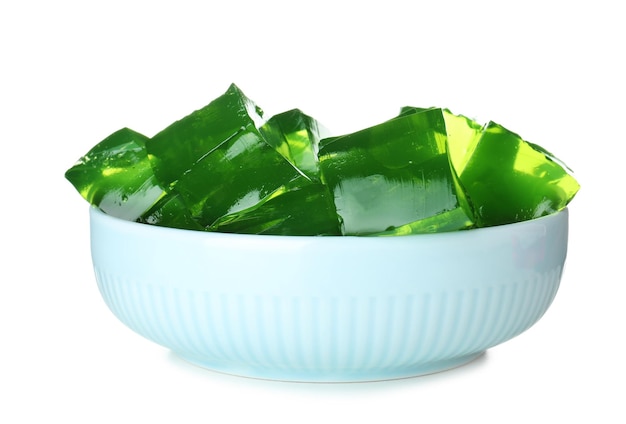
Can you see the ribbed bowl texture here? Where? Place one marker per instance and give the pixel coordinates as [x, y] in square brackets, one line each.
[328, 309]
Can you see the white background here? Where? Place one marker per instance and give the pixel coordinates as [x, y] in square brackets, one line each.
[71, 73]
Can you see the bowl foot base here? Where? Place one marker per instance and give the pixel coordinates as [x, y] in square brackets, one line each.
[329, 376]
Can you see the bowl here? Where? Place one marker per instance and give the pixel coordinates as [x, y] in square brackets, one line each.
[328, 309]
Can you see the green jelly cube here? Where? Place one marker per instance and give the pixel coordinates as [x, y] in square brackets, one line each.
[116, 176]
[297, 210]
[296, 136]
[511, 180]
[409, 110]
[185, 143]
[217, 160]
[463, 135]
[393, 176]
[170, 211]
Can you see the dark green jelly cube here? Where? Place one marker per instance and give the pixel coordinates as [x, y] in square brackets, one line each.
[185, 143]
[392, 176]
[296, 136]
[116, 176]
[217, 160]
[297, 210]
[462, 135]
[170, 211]
[511, 180]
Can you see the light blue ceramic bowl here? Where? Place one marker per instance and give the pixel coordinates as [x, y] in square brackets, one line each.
[329, 308]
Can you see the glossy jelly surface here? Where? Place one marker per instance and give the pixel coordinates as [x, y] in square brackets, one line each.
[117, 177]
[394, 177]
[225, 168]
[533, 183]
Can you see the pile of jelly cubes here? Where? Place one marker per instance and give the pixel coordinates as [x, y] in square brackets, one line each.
[225, 168]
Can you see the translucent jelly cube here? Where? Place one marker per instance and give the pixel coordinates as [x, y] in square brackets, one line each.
[224, 168]
[185, 143]
[296, 136]
[217, 160]
[463, 134]
[299, 210]
[394, 177]
[116, 176]
[170, 211]
[510, 180]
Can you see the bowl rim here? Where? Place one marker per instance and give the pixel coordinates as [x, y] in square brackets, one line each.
[97, 213]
